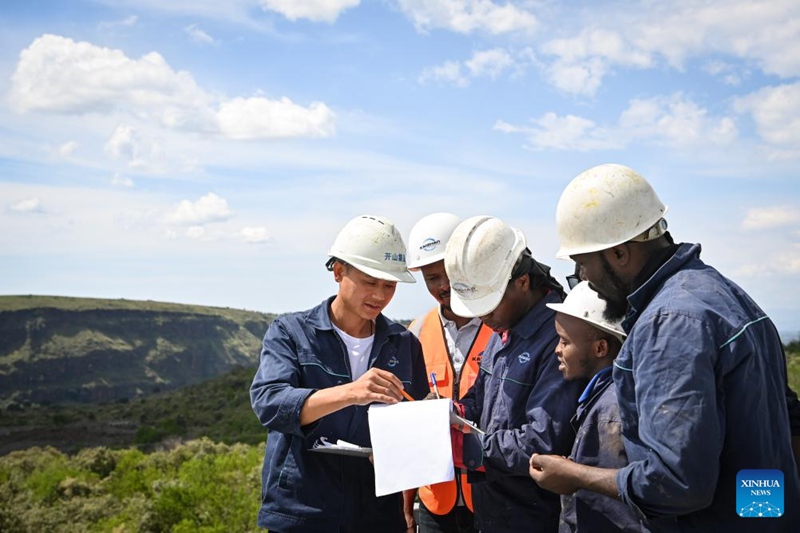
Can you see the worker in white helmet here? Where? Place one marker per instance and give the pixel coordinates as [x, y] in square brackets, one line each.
[318, 372]
[588, 344]
[519, 398]
[452, 346]
[701, 379]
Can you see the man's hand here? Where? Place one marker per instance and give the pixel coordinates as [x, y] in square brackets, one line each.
[409, 496]
[563, 476]
[554, 473]
[376, 385]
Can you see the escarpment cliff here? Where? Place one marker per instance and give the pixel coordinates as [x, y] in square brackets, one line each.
[63, 350]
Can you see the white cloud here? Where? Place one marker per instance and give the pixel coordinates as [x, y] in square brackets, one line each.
[771, 217]
[209, 208]
[28, 205]
[121, 181]
[255, 235]
[127, 144]
[674, 121]
[66, 149]
[583, 61]
[260, 118]
[487, 63]
[198, 36]
[448, 73]
[314, 10]
[729, 73]
[761, 32]
[58, 75]
[562, 133]
[128, 21]
[467, 16]
[776, 112]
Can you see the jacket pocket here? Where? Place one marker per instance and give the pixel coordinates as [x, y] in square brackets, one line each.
[318, 373]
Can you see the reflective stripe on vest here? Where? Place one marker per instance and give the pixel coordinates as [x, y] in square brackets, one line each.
[440, 498]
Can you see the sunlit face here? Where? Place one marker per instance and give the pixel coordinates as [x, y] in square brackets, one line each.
[511, 308]
[577, 347]
[362, 294]
[596, 269]
[437, 282]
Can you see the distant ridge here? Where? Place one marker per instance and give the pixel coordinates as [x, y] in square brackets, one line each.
[56, 350]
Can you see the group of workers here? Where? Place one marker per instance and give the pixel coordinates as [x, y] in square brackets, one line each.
[631, 403]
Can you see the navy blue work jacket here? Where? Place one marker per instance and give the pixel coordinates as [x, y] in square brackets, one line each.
[701, 385]
[524, 405]
[598, 442]
[304, 491]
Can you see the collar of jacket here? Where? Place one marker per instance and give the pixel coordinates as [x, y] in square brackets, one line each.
[638, 300]
[603, 377]
[539, 316]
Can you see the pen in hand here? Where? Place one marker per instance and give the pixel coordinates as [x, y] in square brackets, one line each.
[435, 386]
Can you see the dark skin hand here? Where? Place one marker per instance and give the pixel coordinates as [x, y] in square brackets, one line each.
[564, 476]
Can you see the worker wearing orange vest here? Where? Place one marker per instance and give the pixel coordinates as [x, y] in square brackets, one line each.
[452, 347]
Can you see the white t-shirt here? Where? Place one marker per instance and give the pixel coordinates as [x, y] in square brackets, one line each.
[358, 350]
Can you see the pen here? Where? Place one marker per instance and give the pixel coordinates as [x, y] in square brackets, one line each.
[407, 395]
[435, 386]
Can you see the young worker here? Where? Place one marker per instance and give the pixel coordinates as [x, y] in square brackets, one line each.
[319, 371]
[588, 344]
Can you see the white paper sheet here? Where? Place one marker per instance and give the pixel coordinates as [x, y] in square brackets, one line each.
[411, 444]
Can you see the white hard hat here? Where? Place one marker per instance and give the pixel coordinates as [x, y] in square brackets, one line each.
[479, 258]
[584, 303]
[605, 206]
[374, 246]
[428, 238]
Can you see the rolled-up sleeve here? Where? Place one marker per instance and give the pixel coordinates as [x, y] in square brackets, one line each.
[675, 467]
[275, 394]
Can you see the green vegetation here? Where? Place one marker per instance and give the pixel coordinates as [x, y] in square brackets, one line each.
[793, 364]
[198, 486]
[218, 409]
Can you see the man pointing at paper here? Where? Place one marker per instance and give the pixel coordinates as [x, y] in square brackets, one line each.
[318, 372]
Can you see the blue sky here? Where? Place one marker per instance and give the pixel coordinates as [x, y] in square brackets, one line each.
[208, 152]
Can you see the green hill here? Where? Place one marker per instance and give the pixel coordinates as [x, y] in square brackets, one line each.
[56, 350]
[218, 409]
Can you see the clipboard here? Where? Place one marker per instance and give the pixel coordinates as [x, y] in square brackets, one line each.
[340, 448]
[464, 425]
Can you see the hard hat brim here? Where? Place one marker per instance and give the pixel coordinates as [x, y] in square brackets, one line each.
[565, 309]
[401, 277]
[418, 264]
[476, 307]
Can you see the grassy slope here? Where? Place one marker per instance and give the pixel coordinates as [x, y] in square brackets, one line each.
[21, 302]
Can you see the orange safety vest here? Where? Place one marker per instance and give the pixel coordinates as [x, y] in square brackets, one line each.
[440, 498]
